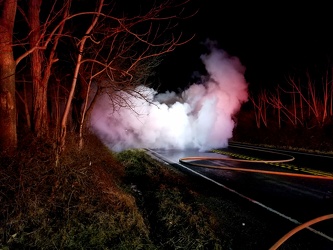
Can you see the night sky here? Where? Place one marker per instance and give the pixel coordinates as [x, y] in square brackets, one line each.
[273, 39]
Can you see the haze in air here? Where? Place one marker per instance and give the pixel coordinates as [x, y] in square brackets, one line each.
[201, 117]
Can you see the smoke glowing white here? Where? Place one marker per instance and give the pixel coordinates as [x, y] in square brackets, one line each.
[201, 117]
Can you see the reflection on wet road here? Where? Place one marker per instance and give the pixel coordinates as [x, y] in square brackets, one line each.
[295, 198]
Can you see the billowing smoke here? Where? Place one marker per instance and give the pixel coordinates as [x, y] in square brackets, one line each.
[200, 117]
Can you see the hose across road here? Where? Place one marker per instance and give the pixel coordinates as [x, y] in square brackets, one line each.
[194, 162]
[199, 162]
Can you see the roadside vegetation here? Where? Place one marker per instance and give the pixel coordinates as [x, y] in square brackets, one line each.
[296, 114]
[95, 199]
[78, 205]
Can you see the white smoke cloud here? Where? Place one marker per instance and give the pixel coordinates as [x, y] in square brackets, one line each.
[201, 117]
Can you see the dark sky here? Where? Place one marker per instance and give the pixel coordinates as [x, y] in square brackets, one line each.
[272, 39]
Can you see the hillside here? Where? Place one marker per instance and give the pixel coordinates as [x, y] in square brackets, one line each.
[97, 199]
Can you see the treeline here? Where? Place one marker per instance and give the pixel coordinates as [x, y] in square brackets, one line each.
[301, 101]
[58, 56]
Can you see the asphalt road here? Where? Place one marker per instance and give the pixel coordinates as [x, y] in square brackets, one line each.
[298, 187]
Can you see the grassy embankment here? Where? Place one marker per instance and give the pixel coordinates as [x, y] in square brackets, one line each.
[97, 199]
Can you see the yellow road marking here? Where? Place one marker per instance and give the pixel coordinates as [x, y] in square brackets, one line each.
[277, 163]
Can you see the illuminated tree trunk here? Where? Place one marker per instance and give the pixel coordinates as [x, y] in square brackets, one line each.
[8, 135]
[40, 119]
[325, 97]
[79, 59]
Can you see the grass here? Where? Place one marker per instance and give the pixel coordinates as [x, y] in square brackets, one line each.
[172, 211]
[98, 199]
[78, 205]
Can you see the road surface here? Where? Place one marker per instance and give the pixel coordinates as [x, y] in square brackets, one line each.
[295, 186]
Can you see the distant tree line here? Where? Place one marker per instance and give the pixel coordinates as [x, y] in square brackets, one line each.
[301, 101]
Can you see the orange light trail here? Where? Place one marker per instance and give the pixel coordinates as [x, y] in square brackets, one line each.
[187, 159]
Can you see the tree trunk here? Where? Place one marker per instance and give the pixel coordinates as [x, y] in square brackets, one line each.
[79, 59]
[40, 118]
[8, 133]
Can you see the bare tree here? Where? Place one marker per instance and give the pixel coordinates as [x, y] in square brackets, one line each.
[121, 51]
[310, 99]
[331, 93]
[275, 101]
[326, 96]
[313, 100]
[81, 46]
[39, 89]
[41, 62]
[260, 107]
[8, 134]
